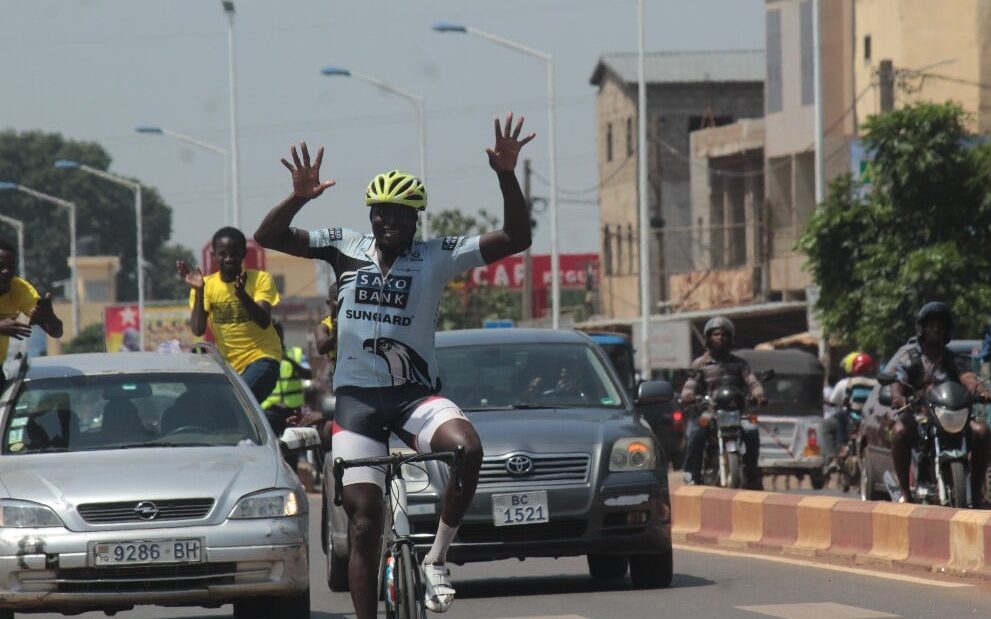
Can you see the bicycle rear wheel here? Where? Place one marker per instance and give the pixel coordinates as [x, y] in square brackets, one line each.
[409, 597]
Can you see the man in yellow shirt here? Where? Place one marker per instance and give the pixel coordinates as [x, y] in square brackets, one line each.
[18, 297]
[326, 334]
[237, 304]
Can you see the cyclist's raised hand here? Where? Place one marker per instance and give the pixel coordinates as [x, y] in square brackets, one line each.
[194, 278]
[306, 177]
[503, 156]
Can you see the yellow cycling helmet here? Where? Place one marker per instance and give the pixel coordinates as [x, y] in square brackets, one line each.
[397, 187]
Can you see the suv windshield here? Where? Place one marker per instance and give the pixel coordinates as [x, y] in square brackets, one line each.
[526, 375]
[126, 411]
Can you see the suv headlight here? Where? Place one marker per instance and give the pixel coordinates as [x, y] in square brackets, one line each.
[633, 454]
[27, 515]
[415, 474]
[280, 503]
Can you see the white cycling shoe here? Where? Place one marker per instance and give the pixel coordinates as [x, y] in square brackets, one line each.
[437, 581]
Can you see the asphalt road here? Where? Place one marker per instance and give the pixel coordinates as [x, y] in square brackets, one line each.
[707, 583]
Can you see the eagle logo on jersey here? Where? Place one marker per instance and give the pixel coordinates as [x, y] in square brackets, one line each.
[405, 365]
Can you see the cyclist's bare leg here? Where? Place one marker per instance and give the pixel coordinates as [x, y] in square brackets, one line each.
[449, 435]
[364, 506]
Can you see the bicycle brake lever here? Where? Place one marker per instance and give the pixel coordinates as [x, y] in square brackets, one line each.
[338, 482]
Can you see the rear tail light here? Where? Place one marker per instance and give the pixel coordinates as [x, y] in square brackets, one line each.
[677, 416]
[678, 420]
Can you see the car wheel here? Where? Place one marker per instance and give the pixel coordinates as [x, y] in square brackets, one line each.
[337, 567]
[602, 567]
[651, 571]
[6, 614]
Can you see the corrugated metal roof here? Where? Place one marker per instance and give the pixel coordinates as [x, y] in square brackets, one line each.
[686, 67]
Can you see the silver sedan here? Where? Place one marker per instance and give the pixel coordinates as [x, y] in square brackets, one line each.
[143, 478]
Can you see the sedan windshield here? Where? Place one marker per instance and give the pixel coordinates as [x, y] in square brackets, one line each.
[126, 411]
[526, 375]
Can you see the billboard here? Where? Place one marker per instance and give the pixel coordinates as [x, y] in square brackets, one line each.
[509, 272]
[164, 325]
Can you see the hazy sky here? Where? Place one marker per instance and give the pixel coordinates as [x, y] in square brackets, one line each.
[94, 69]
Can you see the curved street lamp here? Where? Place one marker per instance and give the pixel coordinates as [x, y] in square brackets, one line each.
[71, 206]
[548, 60]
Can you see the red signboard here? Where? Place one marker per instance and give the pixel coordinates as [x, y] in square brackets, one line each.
[509, 272]
[255, 258]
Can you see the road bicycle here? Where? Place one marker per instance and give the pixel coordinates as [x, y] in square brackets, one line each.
[399, 574]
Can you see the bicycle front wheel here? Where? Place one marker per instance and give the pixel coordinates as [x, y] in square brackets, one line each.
[409, 598]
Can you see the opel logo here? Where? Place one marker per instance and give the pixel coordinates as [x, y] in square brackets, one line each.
[146, 510]
[519, 465]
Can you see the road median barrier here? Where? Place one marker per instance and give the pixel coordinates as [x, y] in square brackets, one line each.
[938, 539]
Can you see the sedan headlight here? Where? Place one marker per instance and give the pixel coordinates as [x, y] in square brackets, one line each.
[27, 515]
[632, 454]
[952, 420]
[280, 503]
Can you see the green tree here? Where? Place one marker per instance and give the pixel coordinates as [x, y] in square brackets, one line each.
[105, 211]
[464, 307]
[917, 233]
[89, 339]
[164, 282]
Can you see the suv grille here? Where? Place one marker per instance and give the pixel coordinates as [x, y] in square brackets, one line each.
[125, 511]
[523, 533]
[549, 469]
[146, 578]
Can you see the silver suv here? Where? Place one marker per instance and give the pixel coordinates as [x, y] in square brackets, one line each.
[142, 478]
[569, 467]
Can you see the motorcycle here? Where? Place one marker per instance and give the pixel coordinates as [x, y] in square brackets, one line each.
[846, 464]
[941, 455]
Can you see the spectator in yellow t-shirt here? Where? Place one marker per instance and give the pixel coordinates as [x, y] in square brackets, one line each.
[237, 303]
[325, 333]
[18, 297]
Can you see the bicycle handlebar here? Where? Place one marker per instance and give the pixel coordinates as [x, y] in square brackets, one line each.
[454, 457]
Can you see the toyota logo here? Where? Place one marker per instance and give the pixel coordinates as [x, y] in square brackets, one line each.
[519, 465]
[146, 510]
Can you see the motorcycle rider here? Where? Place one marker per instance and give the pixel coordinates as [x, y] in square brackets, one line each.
[849, 396]
[920, 364]
[718, 367]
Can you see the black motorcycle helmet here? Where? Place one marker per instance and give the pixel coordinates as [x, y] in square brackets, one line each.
[727, 398]
[935, 310]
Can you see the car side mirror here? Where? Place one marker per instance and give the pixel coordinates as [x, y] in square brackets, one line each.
[299, 439]
[766, 375]
[884, 395]
[654, 392]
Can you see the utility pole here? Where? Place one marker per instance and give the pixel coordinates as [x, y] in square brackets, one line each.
[526, 312]
[886, 78]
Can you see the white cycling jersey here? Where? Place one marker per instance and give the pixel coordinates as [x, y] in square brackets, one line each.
[386, 321]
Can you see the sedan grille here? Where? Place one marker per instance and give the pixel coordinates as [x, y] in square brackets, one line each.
[129, 511]
[526, 469]
[145, 578]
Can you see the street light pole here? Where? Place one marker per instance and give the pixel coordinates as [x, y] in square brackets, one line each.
[548, 61]
[182, 137]
[44, 197]
[232, 79]
[642, 190]
[421, 116]
[18, 226]
[135, 187]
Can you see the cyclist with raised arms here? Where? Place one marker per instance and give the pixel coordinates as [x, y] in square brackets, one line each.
[390, 287]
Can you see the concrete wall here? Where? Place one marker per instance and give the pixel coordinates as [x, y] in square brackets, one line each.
[915, 36]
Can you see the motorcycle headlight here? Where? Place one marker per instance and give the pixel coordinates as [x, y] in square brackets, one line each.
[952, 420]
[27, 515]
[633, 454]
[281, 503]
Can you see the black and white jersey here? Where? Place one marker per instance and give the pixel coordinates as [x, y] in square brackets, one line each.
[386, 321]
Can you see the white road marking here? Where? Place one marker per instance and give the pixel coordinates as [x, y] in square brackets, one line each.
[548, 617]
[816, 610]
[915, 580]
